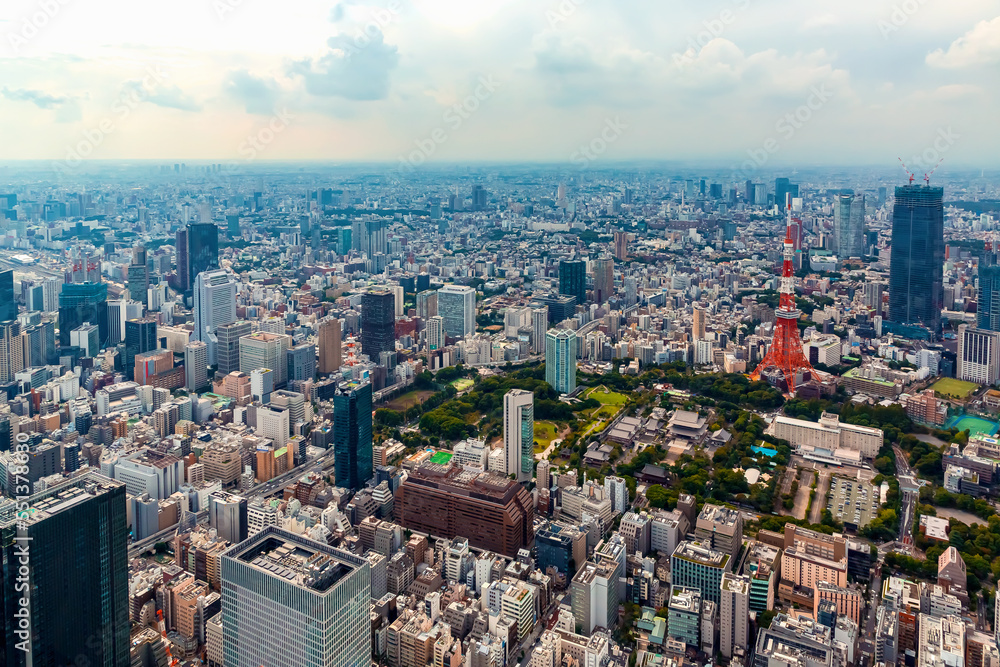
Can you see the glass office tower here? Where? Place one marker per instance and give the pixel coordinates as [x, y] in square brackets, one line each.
[916, 269]
[573, 279]
[83, 302]
[352, 434]
[77, 539]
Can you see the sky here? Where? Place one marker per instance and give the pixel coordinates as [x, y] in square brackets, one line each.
[737, 82]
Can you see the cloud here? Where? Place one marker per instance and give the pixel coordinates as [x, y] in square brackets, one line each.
[168, 96]
[258, 95]
[979, 46]
[67, 109]
[36, 97]
[355, 68]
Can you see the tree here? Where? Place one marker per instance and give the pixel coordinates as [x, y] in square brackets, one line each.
[657, 496]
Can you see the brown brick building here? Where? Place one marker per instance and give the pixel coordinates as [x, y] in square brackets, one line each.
[493, 512]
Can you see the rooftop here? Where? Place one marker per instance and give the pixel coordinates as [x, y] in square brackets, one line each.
[701, 553]
[294, 559]
[63, 497]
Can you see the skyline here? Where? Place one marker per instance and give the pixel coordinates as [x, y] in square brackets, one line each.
[540, 82]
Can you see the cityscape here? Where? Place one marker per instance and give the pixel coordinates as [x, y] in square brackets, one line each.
[617, 406]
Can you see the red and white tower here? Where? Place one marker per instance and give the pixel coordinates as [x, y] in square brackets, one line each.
[786, 353]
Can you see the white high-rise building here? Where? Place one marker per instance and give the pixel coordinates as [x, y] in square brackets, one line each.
[214, 306]
[266, 350]
[519, 433]
[195, 365]
[435, 333]
[539, 325]
[616, 490]
[399, 295]
[272, 423]
[288, 601]
[116, 322]
[734, 613]
[978, 355]
[457, 305]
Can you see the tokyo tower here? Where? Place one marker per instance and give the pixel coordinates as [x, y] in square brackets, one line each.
[786, 353]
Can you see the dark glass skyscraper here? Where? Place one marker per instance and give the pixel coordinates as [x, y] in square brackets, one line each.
[988, 303]
[916, 269]
[203, 249]
[76, 536]
[8, 307]
[184, 279]
[197, 251]
[352, 434]
[140, 336]
[83, 302]
[573, 279]
[378, 323]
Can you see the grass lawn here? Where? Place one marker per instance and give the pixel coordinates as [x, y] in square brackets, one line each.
[611, 402]
[956, 388]
[409, 399]
[545, 433]
[462, 384]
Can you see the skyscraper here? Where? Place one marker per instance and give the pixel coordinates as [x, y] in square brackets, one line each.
[916, 268]
[698, 330]
[539, 325]
[988, 301]
[978, 355]
[8, 307]
[288, 601]
[849, 226]
[378, 323]
[457, 305]
[140, 336]
[352, 434]
[301, 361]
[621, 246]
[138, 275]
[195, 365]
[227, 349]
[734, 613]
[202, 250]
[435, 333]
[782, 187]
[83, 302]
[214, 306]
[76, 542]
[116, 321]
[519, 433]
[604, 279]
[266, 350]
[573, 280]
[329, 339]
[427, 304]
[11, 350]
[560, 360]
[181, 260]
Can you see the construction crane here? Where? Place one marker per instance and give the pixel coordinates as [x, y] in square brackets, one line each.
[927, 176]
[166, 642]
[908, 172]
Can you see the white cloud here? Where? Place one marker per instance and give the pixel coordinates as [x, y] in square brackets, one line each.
[979, 46]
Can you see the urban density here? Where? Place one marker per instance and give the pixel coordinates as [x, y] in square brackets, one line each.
[497, 414]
